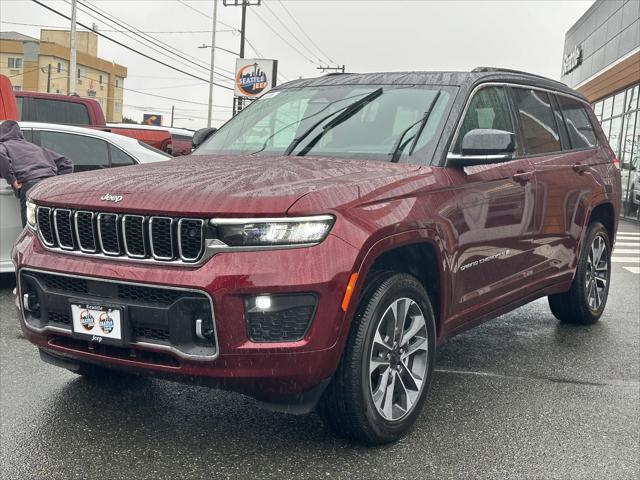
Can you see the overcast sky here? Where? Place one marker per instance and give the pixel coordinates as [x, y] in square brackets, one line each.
[364, 35]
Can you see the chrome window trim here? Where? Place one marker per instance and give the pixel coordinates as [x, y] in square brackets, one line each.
[124, 236]
[182, 257]
[153, 252]
[145, 345]
[55, 227]
[93, 230]
[44, 242]
[104, 251]
[508, 84]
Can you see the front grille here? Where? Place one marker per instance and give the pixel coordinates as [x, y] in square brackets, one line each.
[59, 318]
[126, 236]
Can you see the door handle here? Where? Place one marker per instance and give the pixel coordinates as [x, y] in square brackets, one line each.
[579, 168]
[522, 177]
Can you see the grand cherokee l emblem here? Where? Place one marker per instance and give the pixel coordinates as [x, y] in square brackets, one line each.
[107, 197]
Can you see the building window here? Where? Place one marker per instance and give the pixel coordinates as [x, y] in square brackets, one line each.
[118, 107]
[17, 88]
[620, 119]
[14, 62]
[79, 73]
[117, 83]
[59, 67]
[100, 79]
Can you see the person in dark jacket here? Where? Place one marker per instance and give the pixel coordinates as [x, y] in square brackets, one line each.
[23, 164]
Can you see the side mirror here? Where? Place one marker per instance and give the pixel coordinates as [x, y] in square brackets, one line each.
[485, 145]
[201, 136]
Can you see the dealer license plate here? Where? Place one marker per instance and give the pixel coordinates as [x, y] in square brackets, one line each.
[97, 323]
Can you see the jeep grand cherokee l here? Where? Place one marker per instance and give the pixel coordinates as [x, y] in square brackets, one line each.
[318, 247]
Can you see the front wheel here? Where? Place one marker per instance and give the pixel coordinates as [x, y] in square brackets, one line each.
[382, 382]
[584, 303]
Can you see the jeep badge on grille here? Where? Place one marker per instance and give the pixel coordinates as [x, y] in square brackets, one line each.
[107, 197]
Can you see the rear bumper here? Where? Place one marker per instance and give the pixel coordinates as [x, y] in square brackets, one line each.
[263, 370]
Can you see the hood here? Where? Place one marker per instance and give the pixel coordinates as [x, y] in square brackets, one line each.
[10, 130]
[215, 185]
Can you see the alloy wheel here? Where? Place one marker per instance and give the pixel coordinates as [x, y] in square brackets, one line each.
[398, 360]
[597, 276]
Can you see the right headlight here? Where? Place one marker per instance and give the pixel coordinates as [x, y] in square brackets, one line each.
[31, 214]
[266, 232]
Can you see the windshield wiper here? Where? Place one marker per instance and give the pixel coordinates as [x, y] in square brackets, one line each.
[398, 147]
[264, 144]
[347, 112]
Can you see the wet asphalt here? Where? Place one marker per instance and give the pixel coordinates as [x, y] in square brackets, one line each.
[518, 397]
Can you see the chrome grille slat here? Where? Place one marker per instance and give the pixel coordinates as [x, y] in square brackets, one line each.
[108, 234]
[63, 228]
[85, 231]
[45, 227]
[161, 238]
[133, 236]
[190, 239]
[138, 237]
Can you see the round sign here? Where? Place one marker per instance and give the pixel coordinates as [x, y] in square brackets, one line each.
[87, 320]
[251, 81]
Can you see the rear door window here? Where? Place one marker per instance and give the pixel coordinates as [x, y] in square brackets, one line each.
[56, 111]
[581, 133]
[86, 153]
[489, 108]
[538, 123]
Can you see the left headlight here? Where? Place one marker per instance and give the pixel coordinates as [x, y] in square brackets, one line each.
[273, 231]
[31, 214]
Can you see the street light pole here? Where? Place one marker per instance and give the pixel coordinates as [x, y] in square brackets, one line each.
[213, 54]
[73, 65]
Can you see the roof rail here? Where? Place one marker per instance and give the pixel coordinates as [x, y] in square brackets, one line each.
[509, 70]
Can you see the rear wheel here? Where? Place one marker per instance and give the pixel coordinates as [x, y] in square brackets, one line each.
[584, 303]
[382, 382]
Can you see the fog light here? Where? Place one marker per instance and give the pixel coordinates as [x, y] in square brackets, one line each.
[279, 317]
[263, 302]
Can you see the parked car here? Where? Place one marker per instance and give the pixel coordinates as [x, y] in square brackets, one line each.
[8, 106]
[317, 248]
[157, 138]
[89, 149]
[59, 109]
[180, 138]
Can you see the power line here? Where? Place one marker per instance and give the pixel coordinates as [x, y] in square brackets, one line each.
[120, 31]
[304, 31]
[208, 16]
[282, 38]
[286, 27]
[131, 48]
[165, 48]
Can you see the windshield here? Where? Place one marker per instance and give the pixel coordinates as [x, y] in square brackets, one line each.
[347, 121]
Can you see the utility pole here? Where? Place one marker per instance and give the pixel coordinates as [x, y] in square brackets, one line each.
[173, 108]
[213, 55]
[244, 4]
[238, 102]
[73, 64]
[49, 79]
[335, 69]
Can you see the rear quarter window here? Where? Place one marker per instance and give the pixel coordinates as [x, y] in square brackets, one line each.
[579, 127]
[57, 111]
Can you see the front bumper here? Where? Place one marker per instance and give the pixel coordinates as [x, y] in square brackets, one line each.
[230, 360]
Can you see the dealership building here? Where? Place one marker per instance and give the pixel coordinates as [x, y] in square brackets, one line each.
[602, 60]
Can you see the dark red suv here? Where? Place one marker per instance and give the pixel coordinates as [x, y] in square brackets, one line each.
[318, 247]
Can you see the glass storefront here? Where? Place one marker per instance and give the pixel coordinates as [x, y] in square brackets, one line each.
[618, 114]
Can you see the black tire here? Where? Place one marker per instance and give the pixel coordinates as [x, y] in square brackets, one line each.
[573, 306]
[347, 406]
